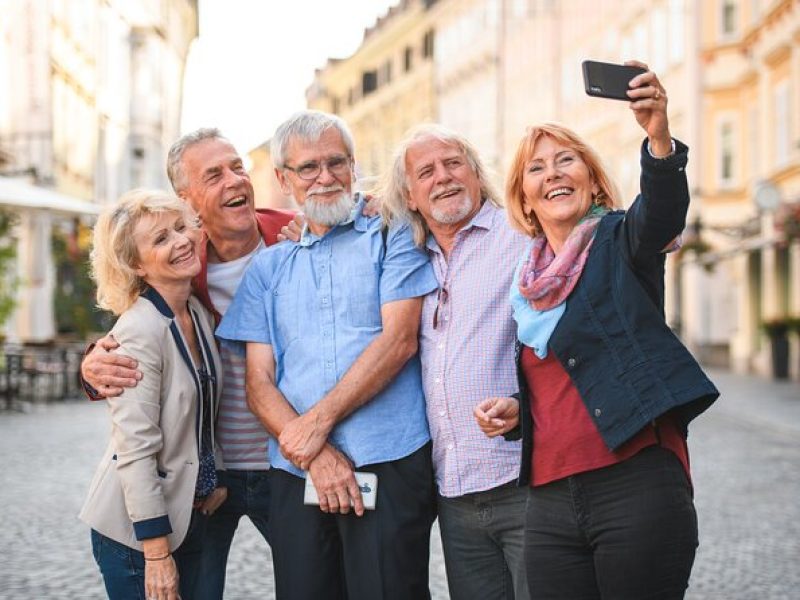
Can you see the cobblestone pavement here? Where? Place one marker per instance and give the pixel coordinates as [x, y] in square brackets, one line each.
[745, 451]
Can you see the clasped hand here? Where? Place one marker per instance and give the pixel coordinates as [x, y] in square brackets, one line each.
[302, 439]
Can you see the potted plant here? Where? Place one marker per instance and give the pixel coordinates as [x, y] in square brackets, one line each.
[777, 331]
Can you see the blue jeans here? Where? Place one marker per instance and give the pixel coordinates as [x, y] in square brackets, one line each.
[483, 542]
[248, 495]
[122, 567]
[623, 532]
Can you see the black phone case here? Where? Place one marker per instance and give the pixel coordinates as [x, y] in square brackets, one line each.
[607, 80]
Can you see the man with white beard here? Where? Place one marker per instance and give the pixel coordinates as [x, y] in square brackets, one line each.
[330, 328]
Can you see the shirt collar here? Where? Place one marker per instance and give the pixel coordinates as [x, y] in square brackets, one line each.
[483, 219]
[356, 217]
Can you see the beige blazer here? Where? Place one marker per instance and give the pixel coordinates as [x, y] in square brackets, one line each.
[149, 470]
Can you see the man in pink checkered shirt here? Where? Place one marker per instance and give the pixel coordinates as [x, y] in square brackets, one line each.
[467, 333]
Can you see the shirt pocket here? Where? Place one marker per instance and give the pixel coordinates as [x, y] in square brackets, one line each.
[363, 298]
[285, 312]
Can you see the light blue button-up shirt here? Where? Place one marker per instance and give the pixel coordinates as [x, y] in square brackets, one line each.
[318, 304]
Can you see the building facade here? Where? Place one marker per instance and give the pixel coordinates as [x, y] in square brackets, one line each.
[732, 71]
[92, 104]
[385, 87]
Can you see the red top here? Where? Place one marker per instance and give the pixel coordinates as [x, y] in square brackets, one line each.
[565, 440]
[269, 220]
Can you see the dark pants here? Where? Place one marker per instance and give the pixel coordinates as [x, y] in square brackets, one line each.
[248, 495]
[122, 567]
[628, 531]
[382, 555]
[483, 538]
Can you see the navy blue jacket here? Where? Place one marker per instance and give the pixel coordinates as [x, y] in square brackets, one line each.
[612, 339]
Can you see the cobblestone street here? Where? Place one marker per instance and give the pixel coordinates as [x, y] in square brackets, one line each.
[746, 470]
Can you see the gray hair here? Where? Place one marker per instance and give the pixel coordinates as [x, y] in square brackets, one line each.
[175, 172]
[395, 187]
[307, 125]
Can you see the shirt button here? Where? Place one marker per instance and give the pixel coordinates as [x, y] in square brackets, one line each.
[449, 446]
[571, 362]
[597, 412]
[438, 380]
[442, 413]
[440, 346]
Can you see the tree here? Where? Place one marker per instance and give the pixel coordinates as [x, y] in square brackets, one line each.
[8, 257]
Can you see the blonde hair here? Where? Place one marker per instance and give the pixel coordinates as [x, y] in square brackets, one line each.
[114, 257]
[394, 188]
[515, 197]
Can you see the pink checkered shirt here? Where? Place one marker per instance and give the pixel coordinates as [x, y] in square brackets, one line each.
[469, 356]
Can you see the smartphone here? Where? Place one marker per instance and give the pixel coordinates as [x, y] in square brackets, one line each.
[367, 483]
[607, 80]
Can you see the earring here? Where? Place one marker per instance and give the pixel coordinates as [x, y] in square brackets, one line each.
[529, 218]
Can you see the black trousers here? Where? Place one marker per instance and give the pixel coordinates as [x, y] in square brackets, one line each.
[623, 532]
[381, 555]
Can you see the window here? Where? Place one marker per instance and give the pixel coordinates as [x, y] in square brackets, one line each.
[386, 72]
[782, 124]
[728, 18]
[369, 82]
[725, 137]
[754, 143]
[658, 40]
[676, 31]
[427, 45]
[408, 59]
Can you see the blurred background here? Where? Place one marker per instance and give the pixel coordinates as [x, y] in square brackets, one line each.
[93, 92]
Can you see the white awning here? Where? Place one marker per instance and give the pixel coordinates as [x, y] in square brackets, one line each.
[18, 194]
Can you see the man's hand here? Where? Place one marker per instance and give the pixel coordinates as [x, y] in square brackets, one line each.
[213, 501]
[109, 373]
[302, 438]
[496, 416]
[336, 485]
[372, 205]
[293, 230]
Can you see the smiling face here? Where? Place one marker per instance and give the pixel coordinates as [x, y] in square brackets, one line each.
[219, 188]
[442, 184]
[327, 198]
[557, 186]
[167, 249]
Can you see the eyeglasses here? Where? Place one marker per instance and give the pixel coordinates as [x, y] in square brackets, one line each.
[441, 300]
[337, 165]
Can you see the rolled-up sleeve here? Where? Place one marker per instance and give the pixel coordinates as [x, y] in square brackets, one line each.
[406, 270]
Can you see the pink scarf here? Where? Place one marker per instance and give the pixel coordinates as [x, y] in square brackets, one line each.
[547, 278]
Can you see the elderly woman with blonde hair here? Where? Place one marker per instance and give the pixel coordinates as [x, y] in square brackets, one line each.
[607, 391]
[161, 461]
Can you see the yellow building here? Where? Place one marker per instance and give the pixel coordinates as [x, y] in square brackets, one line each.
[385, 87]
[732, 72]
[751, 168]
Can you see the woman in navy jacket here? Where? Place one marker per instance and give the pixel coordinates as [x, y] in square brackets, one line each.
[607, 391]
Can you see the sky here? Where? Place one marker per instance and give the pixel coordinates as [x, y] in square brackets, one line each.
[253, 60]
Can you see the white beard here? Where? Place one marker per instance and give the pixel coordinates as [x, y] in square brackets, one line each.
[328, 214]
[450, 217]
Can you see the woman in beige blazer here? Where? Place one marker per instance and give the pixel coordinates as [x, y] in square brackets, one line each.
[161, 461]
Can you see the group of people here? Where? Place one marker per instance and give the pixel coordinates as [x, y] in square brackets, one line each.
[509, 374]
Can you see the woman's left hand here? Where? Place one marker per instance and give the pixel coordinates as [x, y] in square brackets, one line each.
[649, 105]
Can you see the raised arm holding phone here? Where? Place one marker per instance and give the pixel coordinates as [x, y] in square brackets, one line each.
[607, 390]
